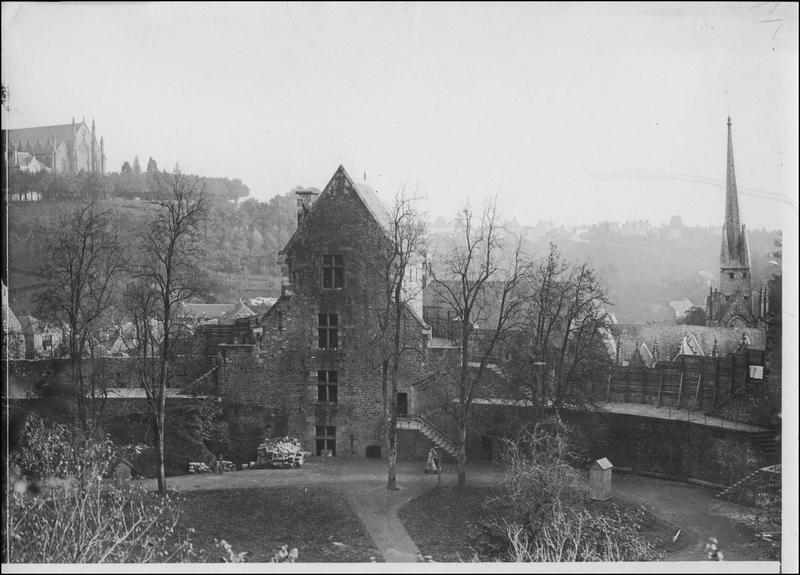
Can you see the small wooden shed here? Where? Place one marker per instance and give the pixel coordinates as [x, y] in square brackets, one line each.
[600, 480]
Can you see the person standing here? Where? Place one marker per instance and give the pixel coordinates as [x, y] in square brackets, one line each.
[430, 466]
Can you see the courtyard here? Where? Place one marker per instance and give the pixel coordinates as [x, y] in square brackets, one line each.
[339, 510]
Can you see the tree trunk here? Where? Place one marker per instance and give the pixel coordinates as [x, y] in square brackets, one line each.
[161, 471]
[462, 453]
[77, 380]
[162, 407]
[392, 480]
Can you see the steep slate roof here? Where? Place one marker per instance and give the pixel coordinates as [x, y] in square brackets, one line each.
[373, 202]
[366, 194]
[237, 311]
[206, 310]
[41, 134]
[671, 336]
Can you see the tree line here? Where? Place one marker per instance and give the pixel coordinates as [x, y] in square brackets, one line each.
[131, 183]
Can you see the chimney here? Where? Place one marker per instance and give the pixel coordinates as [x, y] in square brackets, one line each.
[305, 199]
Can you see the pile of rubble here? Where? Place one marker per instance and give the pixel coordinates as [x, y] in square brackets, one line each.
[281, 452]
[198, 467]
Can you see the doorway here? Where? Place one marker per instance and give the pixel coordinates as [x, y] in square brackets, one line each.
[402, 405]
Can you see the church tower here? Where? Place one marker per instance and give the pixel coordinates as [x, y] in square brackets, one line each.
[731, 304]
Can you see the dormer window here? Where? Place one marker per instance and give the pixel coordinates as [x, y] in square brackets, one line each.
[332, 272]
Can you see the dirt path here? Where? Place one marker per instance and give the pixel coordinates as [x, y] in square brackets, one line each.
[693, 509]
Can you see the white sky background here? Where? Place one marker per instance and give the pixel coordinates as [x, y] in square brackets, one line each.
[571, 113]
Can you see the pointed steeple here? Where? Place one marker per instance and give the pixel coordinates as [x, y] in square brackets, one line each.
[734, 252]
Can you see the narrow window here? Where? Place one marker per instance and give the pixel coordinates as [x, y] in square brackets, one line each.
[332, 272]
[326, 439]
[328, 331]
[47, 341]
[327, 387]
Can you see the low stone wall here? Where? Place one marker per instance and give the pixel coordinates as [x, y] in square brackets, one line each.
[31, 376]
[676, 449]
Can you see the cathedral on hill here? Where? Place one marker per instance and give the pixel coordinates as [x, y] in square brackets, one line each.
[61, 149]
[733, 303]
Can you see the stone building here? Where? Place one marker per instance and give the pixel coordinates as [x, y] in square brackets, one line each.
[313, 362]
[61, 149]
[733, 303]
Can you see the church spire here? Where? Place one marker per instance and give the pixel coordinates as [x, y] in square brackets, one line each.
[734, 252]
[731, 199]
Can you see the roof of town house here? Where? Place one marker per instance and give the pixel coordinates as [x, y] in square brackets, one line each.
[416, 316]
[238, 310]
[30, 325]
[206, 310]
[696, 338]
[10, 321]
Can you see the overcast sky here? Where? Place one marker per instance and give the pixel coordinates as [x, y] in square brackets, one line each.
[572, 113]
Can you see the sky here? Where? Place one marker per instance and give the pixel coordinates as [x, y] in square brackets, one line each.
[575, 113]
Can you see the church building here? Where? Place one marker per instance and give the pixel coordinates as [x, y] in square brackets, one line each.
[60, 149]
[733, 303]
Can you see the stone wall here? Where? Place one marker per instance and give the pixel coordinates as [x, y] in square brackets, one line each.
[129, 421]
[677, 449]
[31, 376]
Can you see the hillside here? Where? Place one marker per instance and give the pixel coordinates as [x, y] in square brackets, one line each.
[242, 243]
[642, 272]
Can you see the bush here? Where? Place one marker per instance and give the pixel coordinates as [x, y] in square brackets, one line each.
[542, 514]
[91, 522]
[53, 450]
[81, 517]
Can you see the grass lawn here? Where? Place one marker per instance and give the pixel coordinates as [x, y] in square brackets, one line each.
[317, 521]
[446, 524]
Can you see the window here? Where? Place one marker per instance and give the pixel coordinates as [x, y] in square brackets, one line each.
[730, 275]
[328, 331]
[326, 439]
[47, 341]
[332, 272]
[744, 274]
[327, 388]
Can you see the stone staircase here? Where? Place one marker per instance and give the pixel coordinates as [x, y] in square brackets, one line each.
[758, 476]
[429, 430]
[196, 385]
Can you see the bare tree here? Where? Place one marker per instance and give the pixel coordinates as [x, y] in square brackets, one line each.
[563, 333]
[481, 282]
[395, 334]
[83, 270]
[167, 275]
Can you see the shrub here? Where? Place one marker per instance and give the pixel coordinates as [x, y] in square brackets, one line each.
[542, 515]
[53, 450]
[92, 523]
[82, 517]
